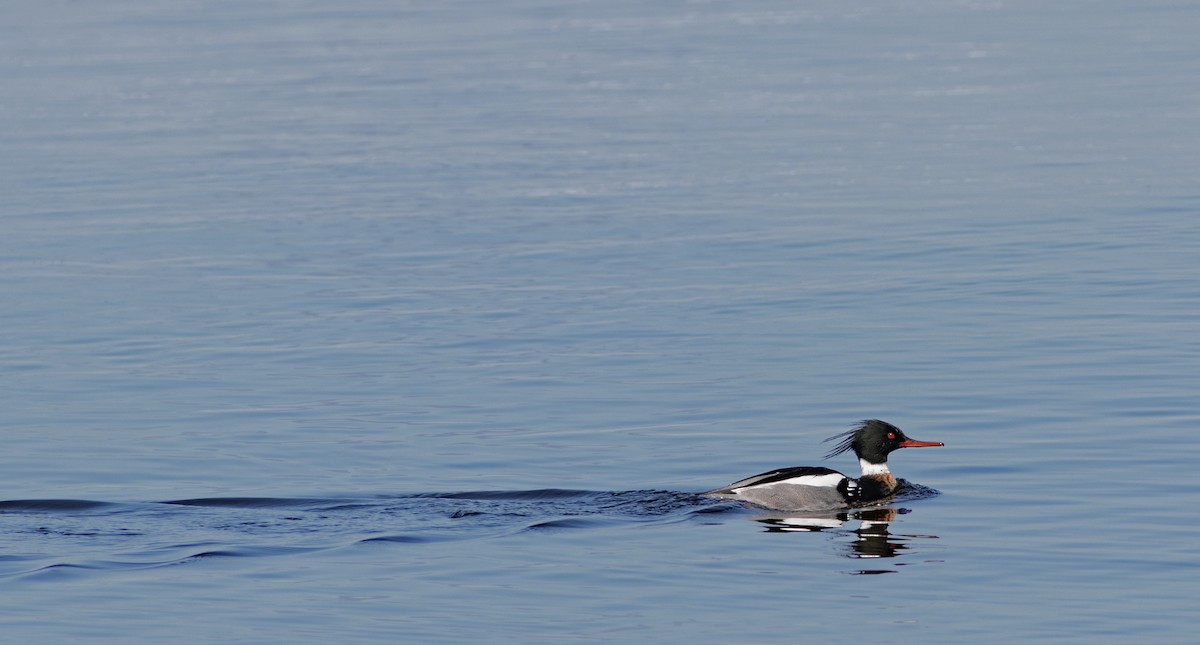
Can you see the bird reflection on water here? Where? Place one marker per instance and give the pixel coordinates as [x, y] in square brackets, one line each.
[873, 538]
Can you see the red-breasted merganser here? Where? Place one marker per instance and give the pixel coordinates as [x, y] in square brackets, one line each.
[813, 487]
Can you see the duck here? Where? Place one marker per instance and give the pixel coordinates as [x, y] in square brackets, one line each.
[817, 487]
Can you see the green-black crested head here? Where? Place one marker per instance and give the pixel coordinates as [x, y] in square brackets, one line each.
[872, 440]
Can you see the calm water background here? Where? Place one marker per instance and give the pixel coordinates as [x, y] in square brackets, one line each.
[350, 258]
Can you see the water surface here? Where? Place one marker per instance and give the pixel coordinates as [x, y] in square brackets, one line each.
[438, 316]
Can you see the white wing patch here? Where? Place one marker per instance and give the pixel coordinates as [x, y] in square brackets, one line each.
[826, 481]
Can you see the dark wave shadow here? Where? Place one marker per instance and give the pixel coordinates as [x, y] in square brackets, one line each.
[256, 502]
[51, 505]
[536, 494]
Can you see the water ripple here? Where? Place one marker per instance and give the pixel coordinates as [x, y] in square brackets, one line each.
[54, 537]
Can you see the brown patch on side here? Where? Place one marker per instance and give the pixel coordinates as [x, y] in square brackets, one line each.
[885, 484]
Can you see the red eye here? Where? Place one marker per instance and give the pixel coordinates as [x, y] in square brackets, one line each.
[891, 435]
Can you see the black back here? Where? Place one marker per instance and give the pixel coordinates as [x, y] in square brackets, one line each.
[782, 474]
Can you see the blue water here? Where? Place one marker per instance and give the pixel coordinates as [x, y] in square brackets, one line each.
[425, 322]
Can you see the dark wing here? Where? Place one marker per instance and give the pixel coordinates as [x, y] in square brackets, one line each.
[779, 475]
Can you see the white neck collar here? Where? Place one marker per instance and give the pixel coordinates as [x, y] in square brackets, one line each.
[869, 468]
